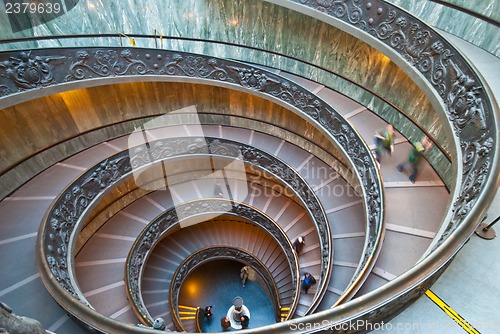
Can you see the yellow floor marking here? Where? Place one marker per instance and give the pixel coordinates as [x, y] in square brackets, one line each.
[188, 307]
[454, 315]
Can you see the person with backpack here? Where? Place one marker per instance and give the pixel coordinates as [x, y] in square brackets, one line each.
[308, 281]
[384, 142]
[414, 158]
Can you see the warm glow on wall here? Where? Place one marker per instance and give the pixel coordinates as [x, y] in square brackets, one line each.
[71, 97]
[383, 59]
[192, 287]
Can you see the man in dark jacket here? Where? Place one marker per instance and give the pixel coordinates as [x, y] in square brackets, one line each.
[308, 281]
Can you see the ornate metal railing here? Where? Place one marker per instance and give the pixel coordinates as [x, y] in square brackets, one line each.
[163, 225]
[199, 319]
[460, 96]
[105, 38]
[457, 90]
[162, 149]
[58, 232]
[216, 253]
[112, 65]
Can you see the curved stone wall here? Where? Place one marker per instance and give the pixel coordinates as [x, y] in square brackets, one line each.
[490, 9]
[475, 30]
[475, 141]
[194, 68]
[61, 117]
[253, 23]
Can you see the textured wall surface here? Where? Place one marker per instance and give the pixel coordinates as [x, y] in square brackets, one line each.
[488, 8]
[56, 118]
[270, 27]
[72, 121]
[463, 25]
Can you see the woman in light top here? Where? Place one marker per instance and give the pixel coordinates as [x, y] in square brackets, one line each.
[237, 312]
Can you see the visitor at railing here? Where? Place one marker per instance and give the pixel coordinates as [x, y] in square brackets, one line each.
[308, 281]
[299, 244]
[384, 142]
[414, 157]
[238, 314]
[244, 274]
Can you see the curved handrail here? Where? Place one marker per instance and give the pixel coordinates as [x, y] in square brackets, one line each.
[208, 254]
[80, 195]
[472, 113]
[203, 122]
[166, 222]
[249, 47]
[254, 80]
[226, 148]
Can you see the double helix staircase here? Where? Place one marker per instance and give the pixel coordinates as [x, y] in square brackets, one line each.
[124, 227]
[99, 264]
[413, 213]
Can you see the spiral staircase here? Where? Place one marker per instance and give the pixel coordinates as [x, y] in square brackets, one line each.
[112, 157]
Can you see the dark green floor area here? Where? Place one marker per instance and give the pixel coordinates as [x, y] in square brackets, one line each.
[217, 283]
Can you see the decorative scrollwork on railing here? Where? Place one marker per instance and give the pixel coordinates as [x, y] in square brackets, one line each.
[29, 72]
[466, 103]
[162, 225]
[162, 149]
[87, 63]
[106, 63]
[215, 253]
[67, 211]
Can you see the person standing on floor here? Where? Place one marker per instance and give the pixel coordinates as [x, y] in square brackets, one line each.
[384, 141]
[299, 244]
[208, 313]
[414, 158]
[244, 274]
[308, 281]
[236, 312]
